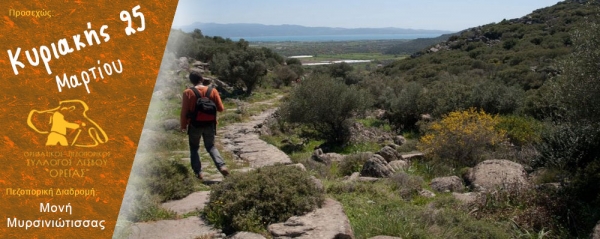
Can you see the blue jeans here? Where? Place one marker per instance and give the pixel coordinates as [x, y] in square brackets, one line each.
[207, 132]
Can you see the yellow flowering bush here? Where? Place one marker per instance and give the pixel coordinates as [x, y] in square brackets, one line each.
[461, 138]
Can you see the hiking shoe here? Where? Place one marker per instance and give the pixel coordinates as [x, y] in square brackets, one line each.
[224, 171]
[199, 175]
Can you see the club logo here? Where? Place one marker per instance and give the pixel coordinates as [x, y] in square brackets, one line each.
[67, 125]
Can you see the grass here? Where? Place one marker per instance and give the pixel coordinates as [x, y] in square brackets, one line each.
[240, 110]
[376, 123]
[357, 148]
[375, 209]
[155, 213]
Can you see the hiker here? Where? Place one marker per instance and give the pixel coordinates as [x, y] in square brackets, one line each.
[58, 133]
[201, 125]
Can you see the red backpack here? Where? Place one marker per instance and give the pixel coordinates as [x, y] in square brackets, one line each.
[206, 109]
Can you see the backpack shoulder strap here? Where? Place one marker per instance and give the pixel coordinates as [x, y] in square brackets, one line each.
[210, 89]
[196, 92]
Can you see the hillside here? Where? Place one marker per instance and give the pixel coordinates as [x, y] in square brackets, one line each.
[253, 30]
[412, 46]
[518, 52]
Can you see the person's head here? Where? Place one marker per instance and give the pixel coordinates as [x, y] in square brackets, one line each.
[195, 77]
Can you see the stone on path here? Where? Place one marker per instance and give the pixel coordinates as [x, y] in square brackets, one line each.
[327, 222]
[243, 140]
[193, 202]
[412, 156]
[246, 235]
[188, 228]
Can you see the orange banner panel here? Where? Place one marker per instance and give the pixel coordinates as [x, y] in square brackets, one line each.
[77, 78]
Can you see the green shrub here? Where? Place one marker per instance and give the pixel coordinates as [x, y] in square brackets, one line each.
[168, 179]
[496, 98]
[353, 163]
[582, 75]
[430, 169]
[409, 146]
[293, 61]
[326, 106]
[407, 185]
[147, 209]
[448, 94]
[340, 70]
[152, 182]
[569, 147]
[139, 205]
[521, 130]
[253, 200]
[530, 210]
[401, 104]
[285, 75]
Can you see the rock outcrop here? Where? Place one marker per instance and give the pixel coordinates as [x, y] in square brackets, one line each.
[497, 174]
[327, 222]
[377, 166]
[447, 184]
[465, 198]
[188, 228]
[246, 235]
[389, 154]
[193, 202]
[171, 124]
[596, 233]
[327, 158]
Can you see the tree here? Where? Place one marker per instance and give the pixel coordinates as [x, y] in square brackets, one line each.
[401, 105]
[197, 34]
[340, 69]
[326, 105]
[241, 68]
[582, 74]
[573, 146]
[293, 61]
[285, 75]
[297, 69]
[181, 44]
[579, 88]
[270, 54]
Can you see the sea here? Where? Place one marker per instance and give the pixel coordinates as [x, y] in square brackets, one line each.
[325, 38]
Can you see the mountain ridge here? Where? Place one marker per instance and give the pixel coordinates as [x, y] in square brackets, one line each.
[255, 29]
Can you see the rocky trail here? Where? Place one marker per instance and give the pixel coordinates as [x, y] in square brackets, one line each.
[242, 140]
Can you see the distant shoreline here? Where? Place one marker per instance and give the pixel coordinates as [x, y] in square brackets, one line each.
[325, 38]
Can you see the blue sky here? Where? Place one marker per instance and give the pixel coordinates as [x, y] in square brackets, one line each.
[453, 15]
